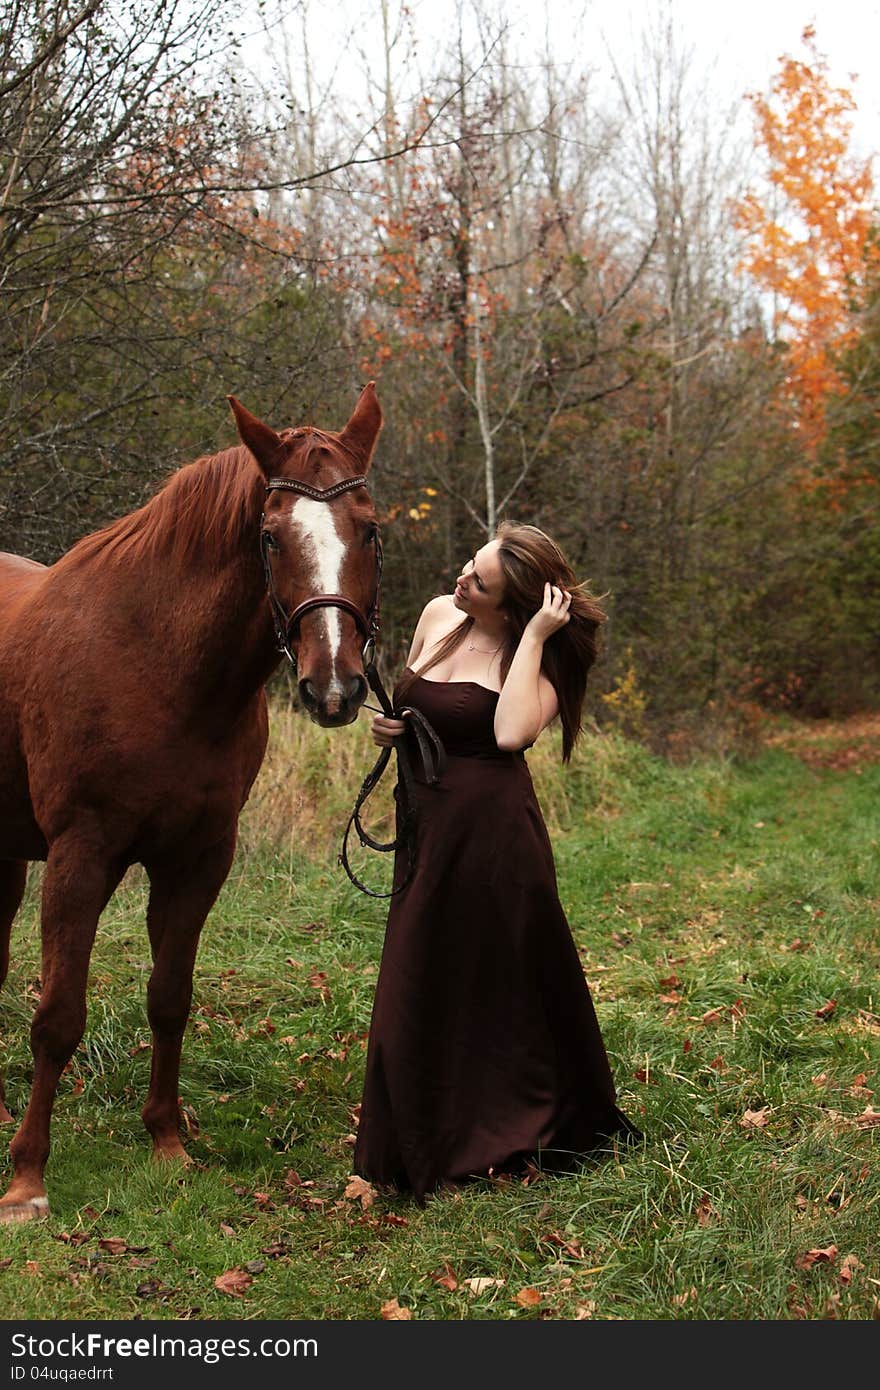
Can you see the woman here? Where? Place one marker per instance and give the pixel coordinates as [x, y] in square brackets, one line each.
[484, 1049]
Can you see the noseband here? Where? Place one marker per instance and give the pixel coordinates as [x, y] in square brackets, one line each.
[285, 627]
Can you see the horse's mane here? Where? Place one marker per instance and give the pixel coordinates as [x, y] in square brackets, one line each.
[206, 508]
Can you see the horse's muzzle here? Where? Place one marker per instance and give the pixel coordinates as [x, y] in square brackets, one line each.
[338, 704]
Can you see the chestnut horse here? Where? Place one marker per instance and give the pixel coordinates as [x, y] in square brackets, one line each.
[133, 717]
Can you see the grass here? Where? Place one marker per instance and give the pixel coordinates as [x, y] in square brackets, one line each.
[719, 909]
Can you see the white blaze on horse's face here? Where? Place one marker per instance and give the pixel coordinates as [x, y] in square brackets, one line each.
[315, 530]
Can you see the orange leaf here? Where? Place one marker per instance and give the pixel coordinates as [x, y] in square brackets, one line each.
[528, 1298]
[445, 1278]
[827, 1255]
[360, 1190]
[113, 1245]
[392, 1311]
[848, 1264]
[233, 1282]
[827, 1009]
[868, 1117]
[755, 1119]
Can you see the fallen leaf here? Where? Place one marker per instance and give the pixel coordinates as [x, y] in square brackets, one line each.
[33, 1267]
[4, 1264]
[718, 1064]
[827, 1009]
[392, 1311]
[712, 1016]
[706, 1212]
[113, 1245]
[827, 1255]
[673, 998]
[226, 1229]
[528, 1298]
[868, 1117]
[480, 1285]
[360, 1190]
[584, 1310]
[233, 1282]
[670, 981]
[568, 1246]
[799, 945]
[848, 1265]
[445, 1278]
[689, 1296]
[292, 1179]
[755, 1119]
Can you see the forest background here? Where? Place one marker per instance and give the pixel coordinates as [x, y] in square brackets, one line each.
[594, 310]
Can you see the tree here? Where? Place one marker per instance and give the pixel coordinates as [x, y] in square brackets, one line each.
[809, 237]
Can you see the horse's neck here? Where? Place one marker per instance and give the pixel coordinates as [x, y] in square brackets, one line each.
[220, 628]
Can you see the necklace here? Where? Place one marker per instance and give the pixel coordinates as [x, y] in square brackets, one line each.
[483, 650]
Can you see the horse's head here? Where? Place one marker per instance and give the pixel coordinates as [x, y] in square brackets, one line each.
[321, 551]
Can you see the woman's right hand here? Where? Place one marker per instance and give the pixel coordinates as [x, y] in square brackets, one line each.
[385, 730]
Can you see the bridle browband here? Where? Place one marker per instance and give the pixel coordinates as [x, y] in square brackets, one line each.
[429, 746]
[286, 626]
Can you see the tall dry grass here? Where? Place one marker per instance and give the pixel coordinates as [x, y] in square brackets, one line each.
[308, 783]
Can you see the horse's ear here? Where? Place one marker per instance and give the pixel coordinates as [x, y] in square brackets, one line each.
[262, 441]
[362, 430]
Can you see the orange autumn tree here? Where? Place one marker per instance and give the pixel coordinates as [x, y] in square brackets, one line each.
[809, 243]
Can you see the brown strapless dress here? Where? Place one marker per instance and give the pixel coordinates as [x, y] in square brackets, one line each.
[484, 1049]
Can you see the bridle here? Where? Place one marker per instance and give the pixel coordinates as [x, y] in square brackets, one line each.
[286, 625]
[430, 748]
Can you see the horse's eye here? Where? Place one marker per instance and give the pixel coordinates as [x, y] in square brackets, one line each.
[371, 534]
[269, 541]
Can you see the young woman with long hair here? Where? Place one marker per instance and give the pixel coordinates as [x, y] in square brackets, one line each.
[484, 1052]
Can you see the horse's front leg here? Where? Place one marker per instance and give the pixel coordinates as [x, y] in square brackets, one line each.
[181, 896]
[78, 881]
[13, 874]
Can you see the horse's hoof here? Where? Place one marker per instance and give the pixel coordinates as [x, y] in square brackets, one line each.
[34, 1209]
[172, 1154]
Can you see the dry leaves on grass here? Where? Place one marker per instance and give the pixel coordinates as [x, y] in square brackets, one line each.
[868, 1117]
[445, 1278]
[827, 1009]
[706, 1213]
[359, 1190]
[756, 1119]
[528, 1298]
[689, 1296]
[234, 1282]
[824, 1255]
[848, 1265]
[392, 1311]
[479, 1285]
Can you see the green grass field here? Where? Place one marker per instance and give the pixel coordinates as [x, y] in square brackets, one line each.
[727, 919]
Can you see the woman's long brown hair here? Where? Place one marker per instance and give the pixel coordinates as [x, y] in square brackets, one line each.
[529, 560]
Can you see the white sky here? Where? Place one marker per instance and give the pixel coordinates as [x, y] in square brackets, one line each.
[741, 40]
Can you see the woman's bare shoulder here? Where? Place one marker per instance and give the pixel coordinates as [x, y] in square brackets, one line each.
[438, 618]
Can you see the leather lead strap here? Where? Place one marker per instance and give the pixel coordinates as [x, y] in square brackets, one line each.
[433, 759]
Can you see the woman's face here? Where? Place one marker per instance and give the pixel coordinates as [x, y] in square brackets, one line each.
[479, 589]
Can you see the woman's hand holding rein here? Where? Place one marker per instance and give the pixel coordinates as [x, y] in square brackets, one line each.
[385, 730]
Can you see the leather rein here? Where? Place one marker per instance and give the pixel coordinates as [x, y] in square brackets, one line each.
[430, 748]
